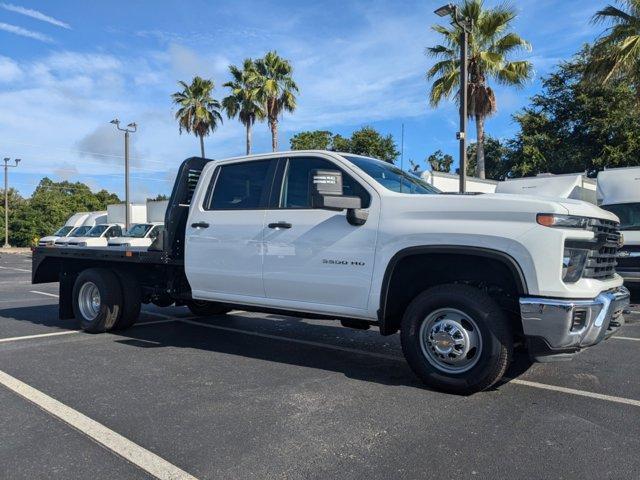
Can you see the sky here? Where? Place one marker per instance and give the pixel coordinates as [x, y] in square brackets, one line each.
[69, 67]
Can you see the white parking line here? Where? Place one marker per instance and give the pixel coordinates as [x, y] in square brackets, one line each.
[543, 386]
[134, 453]
[44, 293]
[16, 269]
[39, 335]
[573, 391]
[627, 338]
[67, 332]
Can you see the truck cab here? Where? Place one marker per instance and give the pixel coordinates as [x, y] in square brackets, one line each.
[71, 225]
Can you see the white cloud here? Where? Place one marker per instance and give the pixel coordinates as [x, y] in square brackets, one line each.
[7, 27]
[9, 70]
[34, 14]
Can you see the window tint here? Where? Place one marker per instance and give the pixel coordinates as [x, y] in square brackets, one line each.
[296, 192]
[240, 186]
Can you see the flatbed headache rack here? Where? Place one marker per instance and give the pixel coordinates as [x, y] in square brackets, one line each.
[159, 266]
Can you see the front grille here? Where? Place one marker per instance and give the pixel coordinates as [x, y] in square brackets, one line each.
[601, 262]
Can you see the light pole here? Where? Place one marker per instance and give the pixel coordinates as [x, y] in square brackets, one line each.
[131, 128]
[464, 24]
[6, 198]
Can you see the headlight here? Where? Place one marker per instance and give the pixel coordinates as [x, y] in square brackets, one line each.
[562, 221]
[82, 244]
[573, 262]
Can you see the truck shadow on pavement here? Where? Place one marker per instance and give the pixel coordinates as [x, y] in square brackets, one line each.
[289, 349]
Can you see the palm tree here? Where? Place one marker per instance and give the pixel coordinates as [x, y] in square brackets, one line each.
[490, 44]
[617, 53]
[199, 112]
[275, 89]
[243, 101]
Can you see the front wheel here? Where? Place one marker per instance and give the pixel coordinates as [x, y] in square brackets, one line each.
[202, 308]
[456, 339]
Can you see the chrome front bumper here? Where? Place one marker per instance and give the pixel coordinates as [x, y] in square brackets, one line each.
[559, 327]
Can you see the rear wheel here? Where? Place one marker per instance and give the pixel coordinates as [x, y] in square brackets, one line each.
[202, 308]
[97, 300]
[456, 339]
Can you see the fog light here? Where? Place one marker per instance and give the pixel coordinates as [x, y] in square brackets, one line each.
[579, 320]
[573, 262]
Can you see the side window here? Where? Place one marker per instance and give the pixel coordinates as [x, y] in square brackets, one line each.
[295, 185]
[114, 231]
[240, 186]
[155, 231]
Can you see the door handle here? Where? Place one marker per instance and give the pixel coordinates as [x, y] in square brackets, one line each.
[200, 225]
[279, 225]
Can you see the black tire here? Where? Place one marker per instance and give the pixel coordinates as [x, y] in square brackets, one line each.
[202, 308]
[109, 307]
[132, 301]
[493, 329]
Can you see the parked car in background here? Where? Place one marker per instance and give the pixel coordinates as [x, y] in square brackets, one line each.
[97, 236]
[573, 185]
[619, 192]
[92, 219]
[74, 221]
[139, 235]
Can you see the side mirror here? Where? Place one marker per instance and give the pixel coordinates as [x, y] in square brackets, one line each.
[326, 193]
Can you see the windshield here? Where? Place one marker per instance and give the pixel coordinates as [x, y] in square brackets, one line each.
[137, 231]
[391, 177]
[629, 214]
[80, 231]
[64, 231]
[97, 231]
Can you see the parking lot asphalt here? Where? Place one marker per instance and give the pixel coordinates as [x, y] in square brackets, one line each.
[250, 395]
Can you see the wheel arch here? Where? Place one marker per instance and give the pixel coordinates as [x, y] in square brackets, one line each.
[388, 319]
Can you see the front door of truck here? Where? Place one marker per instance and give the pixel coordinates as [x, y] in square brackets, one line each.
[316, 256]
[223, 255]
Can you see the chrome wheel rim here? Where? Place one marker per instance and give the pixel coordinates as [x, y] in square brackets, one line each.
[450, 340]
[89, 301]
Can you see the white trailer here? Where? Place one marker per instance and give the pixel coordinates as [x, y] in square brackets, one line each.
[156, 210]
[619, 192]
[449, 182]
[573, 185]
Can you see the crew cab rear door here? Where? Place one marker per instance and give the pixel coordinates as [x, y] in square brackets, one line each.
[223, 254]
[312, 255]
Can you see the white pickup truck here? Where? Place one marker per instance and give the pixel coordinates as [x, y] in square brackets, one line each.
[320, 234]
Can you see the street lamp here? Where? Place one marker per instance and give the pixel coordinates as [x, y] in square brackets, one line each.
[131, 128]
[465, 25]
[6, 198]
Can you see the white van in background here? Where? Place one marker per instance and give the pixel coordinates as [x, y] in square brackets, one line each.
[572, 185]
[74, 221]
[143, 234]
[91, 220]
[619, 192]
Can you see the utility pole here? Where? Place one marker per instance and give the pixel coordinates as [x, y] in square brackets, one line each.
[465, 25]
[6, 198]
[131, 128]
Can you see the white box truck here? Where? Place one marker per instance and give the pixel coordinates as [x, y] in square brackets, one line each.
[573, 185]
[619, 192]
[463, 278]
